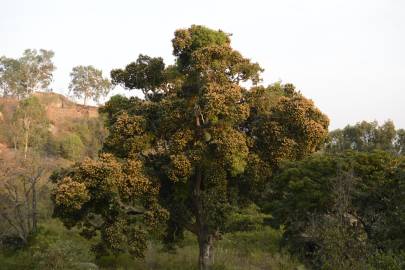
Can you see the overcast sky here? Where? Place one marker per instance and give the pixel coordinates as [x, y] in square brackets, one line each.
[348, 56]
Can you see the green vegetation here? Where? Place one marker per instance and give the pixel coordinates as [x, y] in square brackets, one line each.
[367, 136]
[338, 210]
[88, 82]
[71, 147]
[55, 247]
[187, 156]
[52, 247]
[203, 172]
[27, 74]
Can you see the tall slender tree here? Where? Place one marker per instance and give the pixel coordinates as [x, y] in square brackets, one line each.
[30, 123]
[88, 82]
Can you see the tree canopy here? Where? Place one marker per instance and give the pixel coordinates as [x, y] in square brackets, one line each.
[31, 72]
[200, 138]
[88, 82]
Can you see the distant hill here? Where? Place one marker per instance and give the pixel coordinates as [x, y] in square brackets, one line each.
[63, 114]
[59, 109]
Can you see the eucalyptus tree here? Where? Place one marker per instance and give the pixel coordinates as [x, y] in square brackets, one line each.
[88, 82]
[27, 74]
[29, 124]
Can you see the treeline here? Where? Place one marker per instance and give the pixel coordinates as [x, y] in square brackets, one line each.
[367, 136]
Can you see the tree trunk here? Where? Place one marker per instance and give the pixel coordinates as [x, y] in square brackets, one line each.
[27, 125]
[205, 259]
[26, 145]
[27, 216]
[205, 239]
[15, 143]
[34, 206]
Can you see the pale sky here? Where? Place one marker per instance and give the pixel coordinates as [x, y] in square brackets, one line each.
[346, 55]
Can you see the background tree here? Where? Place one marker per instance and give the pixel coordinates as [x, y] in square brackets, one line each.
[400, 142]
[31, 72]
[147, 74]
[10, 77]
[21, 182]
[199, 134]
[88, 82]
[366, 136]
[338, 210]
[31, 124]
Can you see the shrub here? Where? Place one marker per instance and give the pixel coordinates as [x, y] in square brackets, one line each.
[246, 219]
[387, 261]
[71, 147]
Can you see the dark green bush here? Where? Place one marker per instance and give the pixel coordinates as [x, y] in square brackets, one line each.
[247, 219]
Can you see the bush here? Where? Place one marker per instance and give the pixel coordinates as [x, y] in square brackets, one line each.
[91, 132]
[52, 147]
[246, 219]
[59, 254]
[387, 261]
[71, 147]
[52, 247]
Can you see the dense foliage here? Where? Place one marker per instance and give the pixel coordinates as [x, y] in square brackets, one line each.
[200, 137]
[338, 210]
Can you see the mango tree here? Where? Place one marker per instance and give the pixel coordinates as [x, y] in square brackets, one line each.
[203, 139]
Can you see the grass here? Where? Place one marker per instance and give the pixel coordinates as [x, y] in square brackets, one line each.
[54, 247]
[254, 250]
[58, 248]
